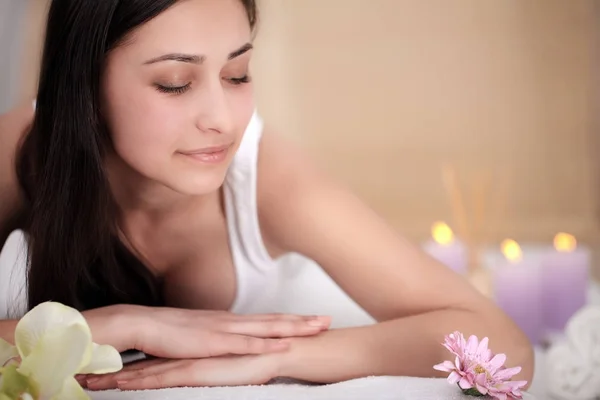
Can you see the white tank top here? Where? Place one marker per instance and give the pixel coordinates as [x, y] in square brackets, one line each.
[289, 284]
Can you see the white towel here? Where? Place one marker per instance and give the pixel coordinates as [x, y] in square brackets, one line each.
[573, 364]
[376, 388]
[583, 332]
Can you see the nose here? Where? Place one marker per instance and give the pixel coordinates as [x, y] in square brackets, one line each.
[214, 111]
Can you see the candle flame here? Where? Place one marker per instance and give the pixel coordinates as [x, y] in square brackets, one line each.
[511, 250]
[564, 242]
[442, 233]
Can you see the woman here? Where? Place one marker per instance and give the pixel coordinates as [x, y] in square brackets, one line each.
[150, 194]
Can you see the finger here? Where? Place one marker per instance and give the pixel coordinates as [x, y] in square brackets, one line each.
[82, 380]
[220, 344]
[276, 328]
[274, 316]
[222, 371]
[156, 369]
[176, 374]
[109, 381]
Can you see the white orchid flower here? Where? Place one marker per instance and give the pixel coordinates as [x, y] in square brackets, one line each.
[8, 353]
[54, 343]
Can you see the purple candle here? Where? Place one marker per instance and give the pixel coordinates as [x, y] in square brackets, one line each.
[445, 248]
[565, 280]
[518, 291]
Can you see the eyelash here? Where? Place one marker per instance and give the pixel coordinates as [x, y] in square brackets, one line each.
[239, 81]
[173, 89]
[184, 88]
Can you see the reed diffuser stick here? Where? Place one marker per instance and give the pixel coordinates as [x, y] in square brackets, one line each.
[459, 211]
[474, 227]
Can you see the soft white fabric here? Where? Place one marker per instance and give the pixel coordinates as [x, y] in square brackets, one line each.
[573, 364]
[583, 331]
[371, 388]
[13, 295]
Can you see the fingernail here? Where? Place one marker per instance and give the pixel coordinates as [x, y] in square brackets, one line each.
[316, 323]
[92, 380]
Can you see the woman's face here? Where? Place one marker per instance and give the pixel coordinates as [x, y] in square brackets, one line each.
[177, 97]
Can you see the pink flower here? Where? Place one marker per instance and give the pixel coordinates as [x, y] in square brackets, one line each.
[477, 371]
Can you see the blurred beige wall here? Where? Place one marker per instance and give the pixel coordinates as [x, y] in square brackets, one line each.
[384, 92]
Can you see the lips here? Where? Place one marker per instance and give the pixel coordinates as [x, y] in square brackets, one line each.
[207, 150]
[208, 155]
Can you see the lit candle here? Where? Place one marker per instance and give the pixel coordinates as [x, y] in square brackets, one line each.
[445, 248]
[565, 282]
[518, 289]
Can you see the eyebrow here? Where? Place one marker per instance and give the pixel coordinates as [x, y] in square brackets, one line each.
[197, 59]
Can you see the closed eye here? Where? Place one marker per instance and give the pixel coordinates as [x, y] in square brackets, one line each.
[173, 89]
[241, 80]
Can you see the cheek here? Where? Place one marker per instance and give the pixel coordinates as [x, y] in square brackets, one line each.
[143, 132]
[242, 103]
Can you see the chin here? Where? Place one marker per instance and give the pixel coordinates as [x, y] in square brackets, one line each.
[198, 184]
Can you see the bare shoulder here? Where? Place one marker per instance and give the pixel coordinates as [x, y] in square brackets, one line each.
[13, 127]
[282, 164]
[286, 173]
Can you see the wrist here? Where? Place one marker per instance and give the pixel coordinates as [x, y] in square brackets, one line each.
[117, 325]
[288, 360]
[131, 321]
[329, 357]
[282, 362]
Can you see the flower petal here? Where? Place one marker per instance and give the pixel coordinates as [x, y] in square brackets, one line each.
[459, 364]
[481, 384]
[500, 396]
[454, 377]
[487, 355]
[506, 374]
[464, 383]
[105, 359]
[497, 362]
[14, 383]
[472, 344]
[7, 352]
[483, 346]
[57, 356]
[455, 343]
[71, 390]
[39, 320]
[514, 388]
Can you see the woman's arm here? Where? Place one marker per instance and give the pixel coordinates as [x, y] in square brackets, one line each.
[109, 325]
[13, 127]
[417, 300]
[7, 329]
[179, 333]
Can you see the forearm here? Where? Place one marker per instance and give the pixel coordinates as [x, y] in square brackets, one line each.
[7, 330]
[404, 347]
[114, 325]
[109, 325]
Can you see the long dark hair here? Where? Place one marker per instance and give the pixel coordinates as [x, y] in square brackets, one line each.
[75, 254]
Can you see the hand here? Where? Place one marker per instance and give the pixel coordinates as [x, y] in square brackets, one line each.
[162, 373]
[180, 333]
